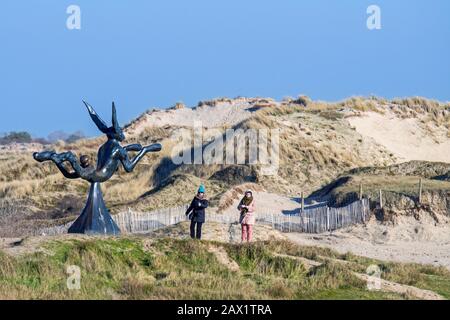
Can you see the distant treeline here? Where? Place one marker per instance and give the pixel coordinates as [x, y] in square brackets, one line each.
[26, 137]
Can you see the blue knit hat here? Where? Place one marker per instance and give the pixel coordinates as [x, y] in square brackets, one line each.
[201, 189]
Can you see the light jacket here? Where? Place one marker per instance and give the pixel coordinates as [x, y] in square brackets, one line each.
[250, 215]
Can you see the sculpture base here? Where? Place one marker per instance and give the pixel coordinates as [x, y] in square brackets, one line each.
[95, 218]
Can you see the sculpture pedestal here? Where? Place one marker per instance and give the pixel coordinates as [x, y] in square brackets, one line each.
[95, 218]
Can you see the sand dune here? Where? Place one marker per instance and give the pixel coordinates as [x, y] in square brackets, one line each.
[407, 138]
[227, 113]
[408, 241]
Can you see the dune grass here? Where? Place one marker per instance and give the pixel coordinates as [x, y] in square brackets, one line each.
[346, 189]
[405, 184]
[138, 268]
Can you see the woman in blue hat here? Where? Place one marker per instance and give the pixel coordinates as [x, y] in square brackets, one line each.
[196, 212]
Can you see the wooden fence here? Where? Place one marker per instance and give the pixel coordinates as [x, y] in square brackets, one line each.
[310, 220]
[135, 222]
[320, 219]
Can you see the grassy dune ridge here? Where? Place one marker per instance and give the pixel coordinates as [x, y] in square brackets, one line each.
[165, 268]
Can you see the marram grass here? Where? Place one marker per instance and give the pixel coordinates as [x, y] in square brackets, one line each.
[139, 268]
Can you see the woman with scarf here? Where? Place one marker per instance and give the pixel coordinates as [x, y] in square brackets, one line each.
[196, 212]
[247, 218]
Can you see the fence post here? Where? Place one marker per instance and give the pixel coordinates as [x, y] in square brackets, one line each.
[328, 219]
[368, 208]
[303, 201]
[366, 205]
[360, 191]
[381, 199]
[420, 191]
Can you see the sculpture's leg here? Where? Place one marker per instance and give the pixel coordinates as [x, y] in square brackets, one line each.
[43, 156]
[58, 160]
[95, 218]
[71, 158]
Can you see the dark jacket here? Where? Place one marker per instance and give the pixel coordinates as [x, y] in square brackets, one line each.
[197, 208]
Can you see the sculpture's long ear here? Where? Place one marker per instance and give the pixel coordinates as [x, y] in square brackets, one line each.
[101, 125]
[115, 123]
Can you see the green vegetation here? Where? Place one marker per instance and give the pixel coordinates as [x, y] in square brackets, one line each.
[396, 181]
[436, 279]
[139, 268]
[404, 184]
[16, 137]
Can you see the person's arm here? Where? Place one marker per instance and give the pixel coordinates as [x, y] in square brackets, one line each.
[205, 203]
[191, 207]
[240, 206]
[251, 207]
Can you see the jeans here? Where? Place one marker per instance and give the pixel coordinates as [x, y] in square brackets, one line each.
[197, 234]
[247, 232]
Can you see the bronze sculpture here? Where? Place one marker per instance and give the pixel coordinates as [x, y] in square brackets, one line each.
[95, 217]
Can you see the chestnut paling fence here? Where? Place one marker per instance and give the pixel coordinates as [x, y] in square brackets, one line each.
[310, 220]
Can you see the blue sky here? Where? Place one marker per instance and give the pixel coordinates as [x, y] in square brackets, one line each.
[145, 54]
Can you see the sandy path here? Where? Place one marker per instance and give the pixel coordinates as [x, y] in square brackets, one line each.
[408, 242]
[385, 285]
[267, 202]
[398, 251]
[223, 257]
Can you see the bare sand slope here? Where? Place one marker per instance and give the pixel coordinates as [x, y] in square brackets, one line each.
[408, 139]
[409, 241]
[226, 113]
